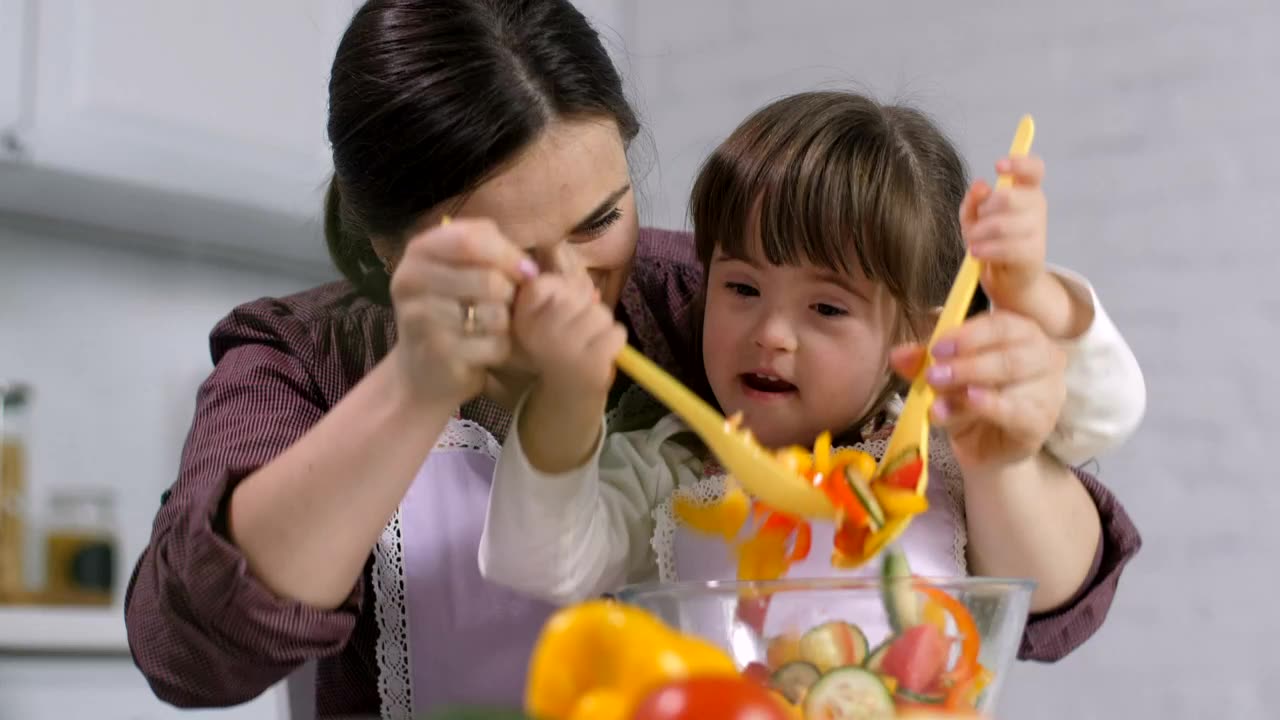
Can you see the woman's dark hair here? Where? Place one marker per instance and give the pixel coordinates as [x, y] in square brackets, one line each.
[839, 180]
[430, 98]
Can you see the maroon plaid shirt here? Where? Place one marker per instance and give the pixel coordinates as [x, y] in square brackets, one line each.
[206, 633]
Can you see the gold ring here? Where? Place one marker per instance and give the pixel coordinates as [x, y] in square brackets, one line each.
[470, 324]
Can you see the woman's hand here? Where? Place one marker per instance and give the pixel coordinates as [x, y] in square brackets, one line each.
[1000, 388]
[452, 291]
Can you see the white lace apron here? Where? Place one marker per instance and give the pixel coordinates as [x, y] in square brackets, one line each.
[446, 635]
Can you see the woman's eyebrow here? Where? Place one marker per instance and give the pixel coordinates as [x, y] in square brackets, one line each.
[603, 207]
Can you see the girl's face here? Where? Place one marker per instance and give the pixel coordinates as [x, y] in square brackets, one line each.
[796, 349]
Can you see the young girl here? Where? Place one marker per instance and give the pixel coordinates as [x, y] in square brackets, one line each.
[830, 228]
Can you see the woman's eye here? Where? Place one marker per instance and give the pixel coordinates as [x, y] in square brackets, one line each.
[826, 310]
[742, 289]
[604, 222]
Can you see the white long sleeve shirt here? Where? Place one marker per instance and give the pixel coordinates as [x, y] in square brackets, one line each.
[577, 534]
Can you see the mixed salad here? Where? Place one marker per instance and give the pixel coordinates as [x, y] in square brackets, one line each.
[872, 508]
[604, 660]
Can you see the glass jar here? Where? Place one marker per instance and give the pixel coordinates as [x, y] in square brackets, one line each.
[80, 547]
[14, 510]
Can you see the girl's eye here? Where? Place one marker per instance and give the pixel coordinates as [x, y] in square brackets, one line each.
[604, 222]
[742, 289]
[826, 310]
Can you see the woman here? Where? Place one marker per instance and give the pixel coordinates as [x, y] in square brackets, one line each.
[322, 406]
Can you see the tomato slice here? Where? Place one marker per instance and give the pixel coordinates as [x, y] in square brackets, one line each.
[700, 698]
[905, 476]
[918, 658]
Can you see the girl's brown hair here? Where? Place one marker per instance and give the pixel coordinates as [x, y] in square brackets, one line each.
[841, 181]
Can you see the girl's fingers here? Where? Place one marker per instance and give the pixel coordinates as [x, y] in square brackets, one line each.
[1026, 170]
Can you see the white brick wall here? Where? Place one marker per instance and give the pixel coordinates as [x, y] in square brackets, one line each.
[1161, 129]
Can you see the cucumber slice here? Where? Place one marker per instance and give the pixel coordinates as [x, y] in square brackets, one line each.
[794, 679]
[898, 461]
[920, 698]
[832, 645]
[900, 600]
[862, 491]
[849, 693]
[876, 657]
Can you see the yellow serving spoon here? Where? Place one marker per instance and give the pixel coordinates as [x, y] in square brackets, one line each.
[911, 431]
[758, 470]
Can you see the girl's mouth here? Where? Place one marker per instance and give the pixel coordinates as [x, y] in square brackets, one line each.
[766, 385]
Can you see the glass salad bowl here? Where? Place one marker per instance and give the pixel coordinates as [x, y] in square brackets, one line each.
[887, 647]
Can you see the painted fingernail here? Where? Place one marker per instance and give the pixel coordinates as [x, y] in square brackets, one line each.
[528, 268]
[939, 374]
[944, 349]
[976, 394]
[1004, 165]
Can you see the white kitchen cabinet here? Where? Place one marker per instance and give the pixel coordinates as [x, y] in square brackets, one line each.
[177, 119]
[12, 44]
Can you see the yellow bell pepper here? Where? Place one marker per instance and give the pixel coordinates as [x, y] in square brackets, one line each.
[600, 658]
[897, 502]
[862, 463]
[724, 517]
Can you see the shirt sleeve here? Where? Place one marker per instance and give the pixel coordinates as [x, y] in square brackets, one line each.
[1106, 393]
[569, 536]
[1051, 636]
[201, 628]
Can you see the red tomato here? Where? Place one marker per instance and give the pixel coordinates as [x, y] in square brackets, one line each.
[757, 673]
[710, 698]
[751, 612]
[917, 658]
[906, 477]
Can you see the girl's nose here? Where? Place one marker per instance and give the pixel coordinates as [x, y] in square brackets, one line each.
[776, 333]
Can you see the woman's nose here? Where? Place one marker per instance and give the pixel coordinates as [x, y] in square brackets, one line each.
[776, 333]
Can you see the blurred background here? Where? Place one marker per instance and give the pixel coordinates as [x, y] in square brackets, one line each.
[163, 160]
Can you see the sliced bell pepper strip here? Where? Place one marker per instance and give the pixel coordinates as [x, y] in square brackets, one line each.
[608, 656]
[970, 642]
[822, 454]
[899, 502]
[724, 517]
[801, 543]
[862, 462]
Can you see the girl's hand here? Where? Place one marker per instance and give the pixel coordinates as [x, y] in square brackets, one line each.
[570, 337]
[1000, 387]
[1006, 229]
[452, 290]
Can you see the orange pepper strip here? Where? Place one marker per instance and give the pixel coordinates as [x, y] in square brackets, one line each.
[967, 666]
[802, 543]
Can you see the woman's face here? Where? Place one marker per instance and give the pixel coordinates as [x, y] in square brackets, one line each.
[566, 199]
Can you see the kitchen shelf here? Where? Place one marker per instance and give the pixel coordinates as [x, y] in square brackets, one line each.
[62, 630]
